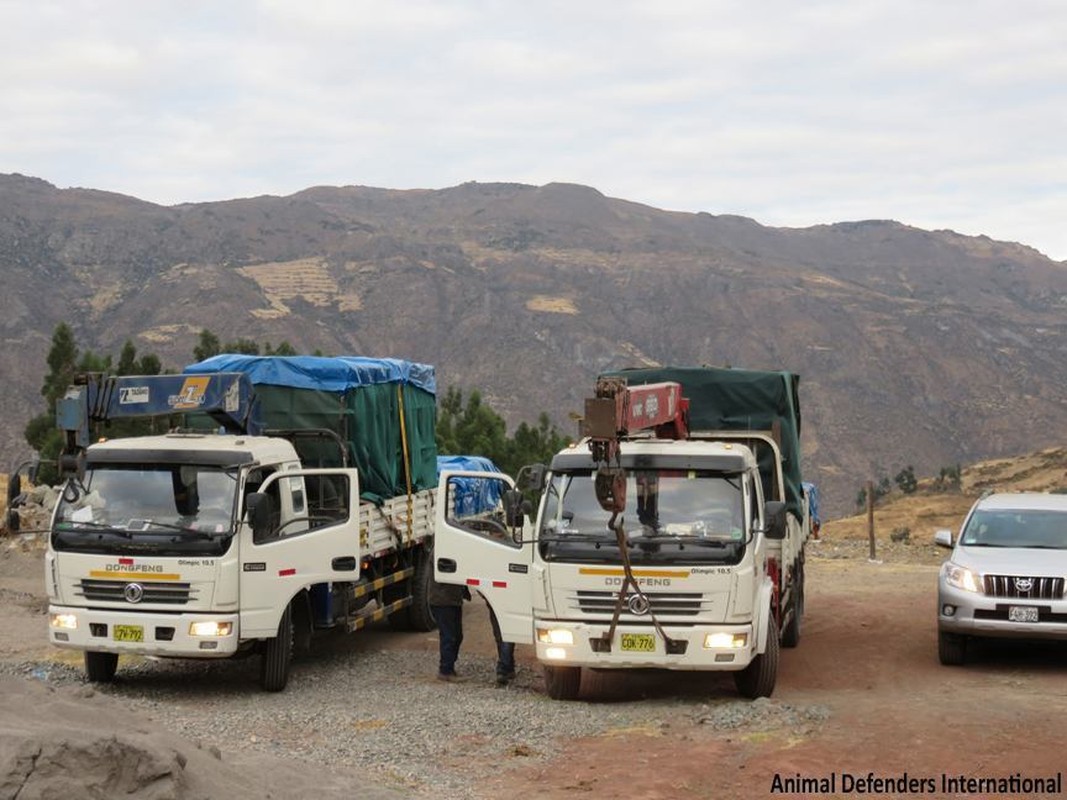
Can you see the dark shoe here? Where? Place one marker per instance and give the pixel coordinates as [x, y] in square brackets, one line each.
[449, 677]
[504, 678]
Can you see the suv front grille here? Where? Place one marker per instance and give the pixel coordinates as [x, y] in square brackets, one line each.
[153, 592]
[1032, 588]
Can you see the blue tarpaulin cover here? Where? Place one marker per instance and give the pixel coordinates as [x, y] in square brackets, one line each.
[326, 374]
[471, 495]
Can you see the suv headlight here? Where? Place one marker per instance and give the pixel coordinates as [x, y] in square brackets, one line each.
[961, 578]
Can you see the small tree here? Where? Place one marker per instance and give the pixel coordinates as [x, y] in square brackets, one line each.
[949, 478]
[64, 363]
[905, 479]
[474, 428]
[207, 346]
[283, 349]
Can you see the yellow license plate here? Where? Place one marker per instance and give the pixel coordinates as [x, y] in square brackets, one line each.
[639, 642]
[127, 633]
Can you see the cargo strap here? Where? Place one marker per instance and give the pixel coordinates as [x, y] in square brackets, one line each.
[407, 459]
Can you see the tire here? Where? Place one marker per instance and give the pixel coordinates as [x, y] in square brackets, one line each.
[791, 631]
[277, 655]
[563, 683]
[302, 626]
[951, 649]
[759, 677]
[417, 616]
[100, 667]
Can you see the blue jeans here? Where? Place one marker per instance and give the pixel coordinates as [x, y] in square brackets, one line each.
[505, 651]
[450, 632]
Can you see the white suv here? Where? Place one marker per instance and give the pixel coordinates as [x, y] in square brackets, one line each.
[1006, 574]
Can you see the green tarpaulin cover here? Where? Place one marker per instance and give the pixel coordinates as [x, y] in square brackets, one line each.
[362, 406]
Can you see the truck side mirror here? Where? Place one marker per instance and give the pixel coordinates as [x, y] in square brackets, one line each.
[258, 512]
[532, 477]
[515, 507]
[774, 518]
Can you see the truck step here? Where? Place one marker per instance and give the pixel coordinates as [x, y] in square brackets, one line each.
[364, 617]
[378, 583]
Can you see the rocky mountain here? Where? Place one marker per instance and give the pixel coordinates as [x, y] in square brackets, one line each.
[914, 347]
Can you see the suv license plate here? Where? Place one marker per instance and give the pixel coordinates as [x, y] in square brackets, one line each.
[1022, 613]
[639, 642]
[127, 633]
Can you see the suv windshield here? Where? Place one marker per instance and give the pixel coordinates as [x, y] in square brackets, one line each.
[1016, 528]
[156, 509]
[671, 516]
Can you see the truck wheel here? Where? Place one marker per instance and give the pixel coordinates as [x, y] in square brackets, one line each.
[562, 683]
[951, 649]
[303, 627]
[759, 677]
[100, 667]
[277, 654]
[791, 631]
[417, 616]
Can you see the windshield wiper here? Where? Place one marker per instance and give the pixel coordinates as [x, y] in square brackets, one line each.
[586, 538]
[70, 526]
[683, 539]
[151, 527]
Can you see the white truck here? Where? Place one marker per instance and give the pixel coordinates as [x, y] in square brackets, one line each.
[669, 537]
[204, 544]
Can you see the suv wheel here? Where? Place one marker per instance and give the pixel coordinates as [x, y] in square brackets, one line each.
[951, 648]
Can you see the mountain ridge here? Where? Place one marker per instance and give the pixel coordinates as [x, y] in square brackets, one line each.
[914, 347]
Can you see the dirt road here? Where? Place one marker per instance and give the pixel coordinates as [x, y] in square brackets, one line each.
[863, 699]
[868, 655]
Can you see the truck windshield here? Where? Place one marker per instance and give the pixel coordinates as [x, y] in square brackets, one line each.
[157, 509]
[671, 517]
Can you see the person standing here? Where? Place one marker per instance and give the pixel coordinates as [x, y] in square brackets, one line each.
[505, 653]
[446, 605]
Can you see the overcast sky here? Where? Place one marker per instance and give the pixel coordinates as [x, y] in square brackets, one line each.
[936, 113]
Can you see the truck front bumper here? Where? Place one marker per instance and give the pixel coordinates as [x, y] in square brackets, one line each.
[143, 633]
[701, 647]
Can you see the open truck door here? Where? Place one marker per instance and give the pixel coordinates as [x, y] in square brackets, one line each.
[482, 540]
[303, 527]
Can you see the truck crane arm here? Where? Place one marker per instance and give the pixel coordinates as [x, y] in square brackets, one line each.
[227, 397]
[616, 412]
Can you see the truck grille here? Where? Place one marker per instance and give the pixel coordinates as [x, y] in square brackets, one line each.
[1023, 586]
[684, 604]
[153, 592]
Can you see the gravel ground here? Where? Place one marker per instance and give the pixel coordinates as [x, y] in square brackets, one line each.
[382, 712]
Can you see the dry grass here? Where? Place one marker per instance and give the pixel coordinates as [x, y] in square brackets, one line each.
[553, 305]
[308, 279]
[929, 508]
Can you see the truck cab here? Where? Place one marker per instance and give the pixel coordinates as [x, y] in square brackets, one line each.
[192, 545]
[677, 580]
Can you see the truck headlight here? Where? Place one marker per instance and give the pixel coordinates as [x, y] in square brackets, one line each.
[210, 628]
[555, 636]
[65, 621]
[961, 578]
[715, 641]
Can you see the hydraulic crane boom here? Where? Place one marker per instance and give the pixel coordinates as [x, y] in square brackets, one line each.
[618, 411]
[93, 397]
